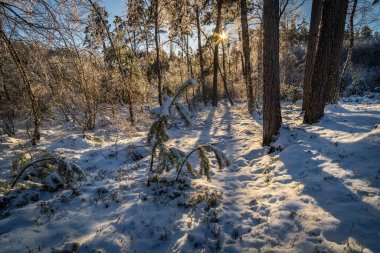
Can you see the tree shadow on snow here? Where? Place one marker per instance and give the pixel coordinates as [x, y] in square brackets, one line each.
[356, 218]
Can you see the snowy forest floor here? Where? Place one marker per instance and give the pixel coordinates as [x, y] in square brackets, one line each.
[318, 189]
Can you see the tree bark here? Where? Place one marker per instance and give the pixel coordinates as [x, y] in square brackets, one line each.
[216, 55]
[315, 19]
[326, 57]
[201, 61]
[338, 30]
[247, 56]
[224, 75]
[259, 85]
[272, 110]
[158, 64]
[350, 48]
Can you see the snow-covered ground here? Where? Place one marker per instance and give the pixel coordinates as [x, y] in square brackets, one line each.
[316, 190]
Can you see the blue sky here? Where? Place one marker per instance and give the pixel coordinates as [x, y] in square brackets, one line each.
[117, 8]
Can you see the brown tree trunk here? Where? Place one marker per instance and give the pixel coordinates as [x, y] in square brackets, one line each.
[272, 110]
[188, 59]
[216, 55]
[338, 31]
[247, 56]
[241, 55]
[201, 61]
[224, 75]
[158, 64]
[350, 48]
[315, 19]
[326, 57]
[259, 86]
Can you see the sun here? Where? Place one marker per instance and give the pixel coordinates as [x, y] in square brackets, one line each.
[223, 35]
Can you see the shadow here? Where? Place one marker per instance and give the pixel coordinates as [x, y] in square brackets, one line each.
[327, 179]
[206, 127]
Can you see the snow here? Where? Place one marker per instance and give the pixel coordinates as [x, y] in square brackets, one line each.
[317, 190]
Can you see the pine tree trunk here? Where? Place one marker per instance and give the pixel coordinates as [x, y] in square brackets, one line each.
[224, 75]
[338, 30]
[272, 110]
[350, 48]
[247, 56]
[158, 63]
[241, 55]
[329, 43]
[201, 61]
[216, 55]
[259, 86]
[315, 19]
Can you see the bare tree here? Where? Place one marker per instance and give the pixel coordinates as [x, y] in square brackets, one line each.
[350, 48]
[247, 56]
[216, 54]
[201, 60]
[157, 41]
[118, 59]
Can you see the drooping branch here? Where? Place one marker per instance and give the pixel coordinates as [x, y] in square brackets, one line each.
[29, 165]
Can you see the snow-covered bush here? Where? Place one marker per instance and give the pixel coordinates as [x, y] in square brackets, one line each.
[46, 168]
[171, 157]
[204, 162]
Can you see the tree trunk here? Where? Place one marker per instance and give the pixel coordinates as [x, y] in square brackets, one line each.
[247, 56]
[216, 55]
[272, 110]
[315, 19]
[350, 48]
[188, 59]
[338, 31]
[259, 86]
[158, 64]
[201, 61]
[326, 57]
[224, 75]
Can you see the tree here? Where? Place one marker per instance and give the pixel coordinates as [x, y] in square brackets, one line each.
[118, 58]
[200, 52]
[350, 48]
[217, 33]
[332, 89]
[316, 12]
[326, 59]
[157, 41]
[366, 32]
[271, 78]
[247, 56]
